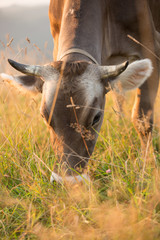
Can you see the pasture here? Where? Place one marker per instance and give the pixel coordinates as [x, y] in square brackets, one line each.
[122, 201]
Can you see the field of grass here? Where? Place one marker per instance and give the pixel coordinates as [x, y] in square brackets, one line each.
[122, 202]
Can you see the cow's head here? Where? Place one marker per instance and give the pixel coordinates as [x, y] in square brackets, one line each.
[73, 99]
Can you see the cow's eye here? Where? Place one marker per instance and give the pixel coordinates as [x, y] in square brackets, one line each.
[96, 118]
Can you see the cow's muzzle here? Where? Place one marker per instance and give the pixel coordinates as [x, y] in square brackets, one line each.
[70, 179]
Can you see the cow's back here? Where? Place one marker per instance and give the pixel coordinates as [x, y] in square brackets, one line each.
[120, 19]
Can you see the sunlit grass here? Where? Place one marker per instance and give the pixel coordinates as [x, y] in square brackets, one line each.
[122, 201]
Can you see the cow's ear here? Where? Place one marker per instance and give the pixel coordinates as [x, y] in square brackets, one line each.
[25, 83]
[32, 81]
[132, 77]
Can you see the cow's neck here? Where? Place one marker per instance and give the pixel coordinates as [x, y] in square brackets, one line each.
[81, 29]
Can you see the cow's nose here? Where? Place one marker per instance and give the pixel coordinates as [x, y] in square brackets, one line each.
[70, 179]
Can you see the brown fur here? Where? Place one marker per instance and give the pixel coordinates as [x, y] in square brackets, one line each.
[70, 69]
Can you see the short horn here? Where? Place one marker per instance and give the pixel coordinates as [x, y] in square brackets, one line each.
[27, 69]
[113, 71]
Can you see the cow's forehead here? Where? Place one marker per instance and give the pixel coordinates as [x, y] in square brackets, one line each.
[91, 83]
[87, 85]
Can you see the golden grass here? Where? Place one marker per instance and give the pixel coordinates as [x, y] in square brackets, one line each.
[123, 199]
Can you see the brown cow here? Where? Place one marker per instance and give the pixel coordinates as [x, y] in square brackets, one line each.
[90, 39]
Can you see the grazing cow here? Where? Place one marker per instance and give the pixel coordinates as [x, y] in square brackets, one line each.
[90, 43]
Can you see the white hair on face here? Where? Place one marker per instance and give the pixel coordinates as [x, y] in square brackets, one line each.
[90, 81]
[49, 89]
[71, 179]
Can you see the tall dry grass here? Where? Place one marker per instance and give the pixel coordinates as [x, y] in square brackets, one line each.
[121, 202]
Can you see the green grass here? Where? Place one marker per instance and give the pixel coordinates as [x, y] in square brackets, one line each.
[122, 203]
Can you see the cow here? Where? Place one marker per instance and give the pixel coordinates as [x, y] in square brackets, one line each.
[93, 54]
